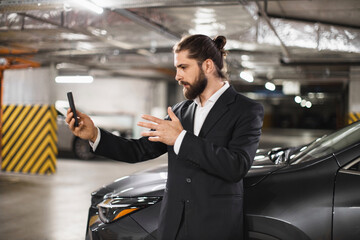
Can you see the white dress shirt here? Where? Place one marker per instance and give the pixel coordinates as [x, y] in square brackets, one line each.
[199, 118]
[97, 140]
[200, 115]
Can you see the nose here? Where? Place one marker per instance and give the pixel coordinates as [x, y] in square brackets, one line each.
[178, 76]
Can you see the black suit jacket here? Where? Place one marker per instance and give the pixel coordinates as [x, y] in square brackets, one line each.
[204, 191]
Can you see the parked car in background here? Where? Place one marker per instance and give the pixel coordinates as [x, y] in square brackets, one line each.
[118, 124]
[305, 192]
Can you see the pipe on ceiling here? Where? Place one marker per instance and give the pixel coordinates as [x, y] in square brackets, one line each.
[288, 33]
[271, 26]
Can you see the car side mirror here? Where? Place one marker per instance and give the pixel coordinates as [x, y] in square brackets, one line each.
[278, 156]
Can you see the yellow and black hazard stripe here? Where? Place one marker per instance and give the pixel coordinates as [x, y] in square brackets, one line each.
[29, 139]
[353, 117]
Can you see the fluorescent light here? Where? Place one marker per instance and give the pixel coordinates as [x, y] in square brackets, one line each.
[270, 86]
[89, 5]
[247, 76]
[308, 104]
[74, 79]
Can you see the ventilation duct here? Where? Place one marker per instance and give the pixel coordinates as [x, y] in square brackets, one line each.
[313, 36]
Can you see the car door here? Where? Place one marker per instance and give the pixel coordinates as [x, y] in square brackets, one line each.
[346, 220]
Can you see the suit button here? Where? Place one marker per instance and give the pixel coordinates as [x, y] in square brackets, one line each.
[188, 180]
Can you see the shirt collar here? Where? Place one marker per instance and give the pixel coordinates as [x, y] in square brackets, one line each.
[215, 96]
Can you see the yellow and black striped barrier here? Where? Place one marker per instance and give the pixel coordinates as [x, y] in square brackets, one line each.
[353, 117]
[29, 139]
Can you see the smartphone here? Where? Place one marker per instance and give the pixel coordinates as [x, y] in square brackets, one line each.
[72, 106]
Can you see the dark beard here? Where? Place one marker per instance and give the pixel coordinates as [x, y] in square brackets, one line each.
[197, 88]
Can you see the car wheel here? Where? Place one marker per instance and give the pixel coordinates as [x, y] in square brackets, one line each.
[81, 149]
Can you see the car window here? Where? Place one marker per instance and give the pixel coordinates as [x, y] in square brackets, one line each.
[355, 167]
[352, 168]
[328, 144]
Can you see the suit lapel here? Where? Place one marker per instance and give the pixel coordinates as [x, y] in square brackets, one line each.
[218, 110]
[188, 117]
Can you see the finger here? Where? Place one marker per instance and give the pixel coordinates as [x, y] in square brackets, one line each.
[147, 125]
[151, 118]
[149, 134]
[72, 124]
[172, 114]
[68, 118]
[81, 123]
[154, 139]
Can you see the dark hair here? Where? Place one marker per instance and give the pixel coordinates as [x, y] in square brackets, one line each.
[202, 47]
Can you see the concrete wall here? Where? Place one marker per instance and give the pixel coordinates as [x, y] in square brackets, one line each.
[354, 90]
[109, 95]
[121, 96]
[27, 86]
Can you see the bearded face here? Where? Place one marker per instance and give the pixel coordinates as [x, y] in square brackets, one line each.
[191, 91]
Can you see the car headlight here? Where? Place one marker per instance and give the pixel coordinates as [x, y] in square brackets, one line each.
[116, 208]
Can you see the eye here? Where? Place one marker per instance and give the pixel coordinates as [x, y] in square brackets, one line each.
[182, 67]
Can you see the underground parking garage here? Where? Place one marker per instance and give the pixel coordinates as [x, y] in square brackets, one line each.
[299, 59]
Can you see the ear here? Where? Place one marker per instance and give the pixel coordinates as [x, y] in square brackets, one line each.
[208, 66]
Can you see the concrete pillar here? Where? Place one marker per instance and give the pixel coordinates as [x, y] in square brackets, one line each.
[354, 96]
[28, 122]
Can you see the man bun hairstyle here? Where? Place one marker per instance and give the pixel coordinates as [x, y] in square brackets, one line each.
[220, 42]
[201, 47]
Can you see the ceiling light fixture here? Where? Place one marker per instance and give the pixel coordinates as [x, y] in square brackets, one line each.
[320, 95]
[245, 57]
[297, 99]
[270, 86]
[303, 103]
[247, 76]
[89, 5]
[74, 79]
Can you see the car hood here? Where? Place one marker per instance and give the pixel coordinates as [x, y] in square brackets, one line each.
[152, 182]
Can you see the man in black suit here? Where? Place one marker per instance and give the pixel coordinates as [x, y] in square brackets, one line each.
[211, 140]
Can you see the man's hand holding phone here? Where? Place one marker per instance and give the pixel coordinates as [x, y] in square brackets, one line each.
[79, 123]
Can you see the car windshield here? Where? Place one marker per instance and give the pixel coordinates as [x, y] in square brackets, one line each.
[328, 144]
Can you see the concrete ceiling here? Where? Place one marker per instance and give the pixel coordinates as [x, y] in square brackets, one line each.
[306, 41]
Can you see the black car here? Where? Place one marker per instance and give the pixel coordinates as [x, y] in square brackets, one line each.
[307, 192]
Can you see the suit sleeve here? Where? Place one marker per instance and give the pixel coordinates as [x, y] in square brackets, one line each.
[131, 150]
[233, 161]
[128, 150]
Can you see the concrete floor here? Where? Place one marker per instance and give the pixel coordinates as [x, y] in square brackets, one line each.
[55, 207]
